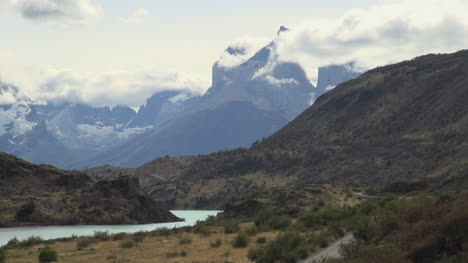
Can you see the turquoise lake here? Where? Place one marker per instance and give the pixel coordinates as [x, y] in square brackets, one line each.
[52, 232]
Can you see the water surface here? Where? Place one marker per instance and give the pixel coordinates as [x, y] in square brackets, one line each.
[52, 232]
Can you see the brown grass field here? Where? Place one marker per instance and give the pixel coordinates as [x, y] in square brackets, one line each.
[152, 249]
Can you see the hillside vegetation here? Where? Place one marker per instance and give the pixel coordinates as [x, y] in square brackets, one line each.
[44, 195]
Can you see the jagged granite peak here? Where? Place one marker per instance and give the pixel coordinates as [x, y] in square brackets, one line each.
[163, 106]
[282, 29]
[332, 75]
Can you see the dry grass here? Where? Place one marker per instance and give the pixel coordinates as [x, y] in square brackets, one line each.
[152, 249]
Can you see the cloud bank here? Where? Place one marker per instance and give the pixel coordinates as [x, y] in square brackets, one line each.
[388, 32]
[57, 11]
[138, 17]
[112, 88]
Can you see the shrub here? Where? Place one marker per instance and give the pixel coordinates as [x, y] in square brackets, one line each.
[251, 230]
[25, 212]
[12, 243]
[280, 222]
[138, 237]
[3, 255]
[48, 255]
[240, 241]
[261, 240]
[101, 235]
[185, 241]
[119, 236]
[288, 247]
[31, 241]
[263, 217]
[202, 230]
[216, 243]
[127, 243]
[84, 242]
[176, 254]
[231, 227]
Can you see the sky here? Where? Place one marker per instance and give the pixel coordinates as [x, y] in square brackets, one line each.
[110, 52]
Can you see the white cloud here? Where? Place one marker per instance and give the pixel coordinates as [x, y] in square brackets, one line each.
[391, 31]
[138, 17]
[57, 11]
[112, 88]
[7, 98]
[240, 50]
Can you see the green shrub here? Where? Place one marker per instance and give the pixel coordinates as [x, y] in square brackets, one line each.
[280, 222]
[176, 254]
[202, 230]
[231, 227]
[261, 240]
[263, 217]
[3, 255]
[216, 243]
[240, 241]
[12, 243]
[30, 241]
[25, 212]
[119, 236]
[84, 242]
[288, 247]
[185, 241]
[48, 255]
[101, 235]
[138, 237]
[127, 243]
[251, 230]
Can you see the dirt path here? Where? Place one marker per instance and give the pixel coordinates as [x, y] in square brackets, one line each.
[332, 251]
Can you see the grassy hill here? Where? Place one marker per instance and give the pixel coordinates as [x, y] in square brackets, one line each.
[44, 195]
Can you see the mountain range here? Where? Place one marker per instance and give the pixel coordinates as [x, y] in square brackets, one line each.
[399, 128]
[241, 107]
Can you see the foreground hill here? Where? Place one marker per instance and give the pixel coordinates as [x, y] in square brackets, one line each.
[44, 195]
[406, 122]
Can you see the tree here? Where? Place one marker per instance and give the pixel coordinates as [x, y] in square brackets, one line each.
[3, 255]
[48, 255]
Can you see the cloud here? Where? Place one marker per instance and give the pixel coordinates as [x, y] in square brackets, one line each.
[7, 98]
[240, 50]
[138, 17]
[57, 11]
[390, 31]
[113, 88]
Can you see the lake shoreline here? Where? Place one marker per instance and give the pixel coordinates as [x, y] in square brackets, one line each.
[190, 218]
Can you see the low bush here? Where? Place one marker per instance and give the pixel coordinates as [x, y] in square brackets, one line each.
[84, 242]
[48, 255]
[119, 236]
[127, 243]
[280, 222]
[101, 235]
[176, 254]
[216, 243]
[240, 241]
[185, 241]
[3, 255]
[251, 230]
[261, 240]
[288, 247]
[231, 227]
[138, 237]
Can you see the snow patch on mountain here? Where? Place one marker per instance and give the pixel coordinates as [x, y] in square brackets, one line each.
[99, 131]
[13, 120]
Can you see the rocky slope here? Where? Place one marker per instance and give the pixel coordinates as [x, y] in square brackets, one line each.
[402, 122]
[44, 195]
